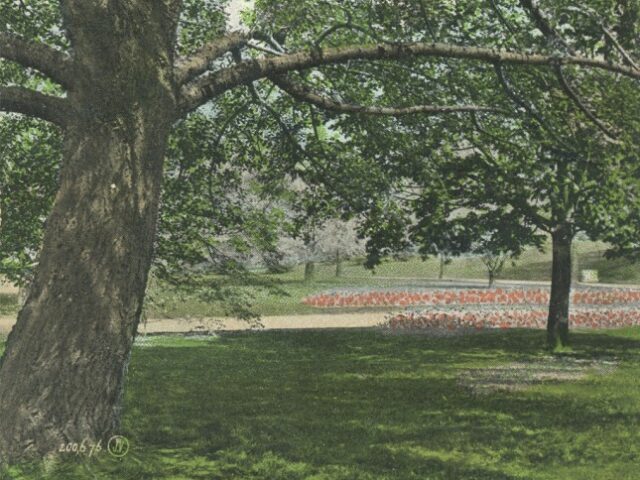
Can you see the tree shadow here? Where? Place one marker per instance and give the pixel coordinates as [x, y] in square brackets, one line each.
[358, 404]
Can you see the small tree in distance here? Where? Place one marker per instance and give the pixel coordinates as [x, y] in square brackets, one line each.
[332, 242]
[494, 263]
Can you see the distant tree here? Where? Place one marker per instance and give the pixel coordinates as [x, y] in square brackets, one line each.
[444, 258]
[334, 241]
[494, 263]
[554, 167]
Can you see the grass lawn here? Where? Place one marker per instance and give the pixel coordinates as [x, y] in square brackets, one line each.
[355, 405]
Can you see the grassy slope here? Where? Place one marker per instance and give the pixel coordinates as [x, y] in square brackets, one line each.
[359, 405]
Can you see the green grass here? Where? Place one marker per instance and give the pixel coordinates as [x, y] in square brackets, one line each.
[358, 405]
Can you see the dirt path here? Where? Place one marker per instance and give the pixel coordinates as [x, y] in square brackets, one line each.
[7, 289]
[185, 325]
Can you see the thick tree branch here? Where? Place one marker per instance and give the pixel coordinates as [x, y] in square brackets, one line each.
[206, 87]
[305, 94]
[35, 104]
[53, 63]
[198, 63]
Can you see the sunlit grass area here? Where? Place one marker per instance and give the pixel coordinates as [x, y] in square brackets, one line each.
[357, 404]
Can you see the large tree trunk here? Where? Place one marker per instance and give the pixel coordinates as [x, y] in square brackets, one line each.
[62, 374]
[558, 320]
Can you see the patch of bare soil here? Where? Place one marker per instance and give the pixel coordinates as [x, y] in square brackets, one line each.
[281, 322]
[276, 322]
[7, 288]
[519, 376]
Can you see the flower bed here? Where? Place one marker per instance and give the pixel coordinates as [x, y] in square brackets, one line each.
[496, 296]
[517, 318]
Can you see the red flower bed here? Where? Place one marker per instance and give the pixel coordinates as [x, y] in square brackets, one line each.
[522, 318]
[497, 296]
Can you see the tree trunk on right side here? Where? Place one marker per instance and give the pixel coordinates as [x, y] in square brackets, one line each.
[558, 319]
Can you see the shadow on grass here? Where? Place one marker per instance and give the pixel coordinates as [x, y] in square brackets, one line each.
[356, 404]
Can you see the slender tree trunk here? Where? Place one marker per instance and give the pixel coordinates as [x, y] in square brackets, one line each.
[558, 320]
[492, 278]
[62, 373]
[338, 263]
[309, 271]
[441, 270]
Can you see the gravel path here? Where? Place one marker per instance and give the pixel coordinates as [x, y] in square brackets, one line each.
[186, 325]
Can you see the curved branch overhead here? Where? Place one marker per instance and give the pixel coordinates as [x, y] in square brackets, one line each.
[53, 63]
[305, 94]
[208, 86]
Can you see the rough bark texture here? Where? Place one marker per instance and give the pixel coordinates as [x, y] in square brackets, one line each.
[62, 374]
[558, 320]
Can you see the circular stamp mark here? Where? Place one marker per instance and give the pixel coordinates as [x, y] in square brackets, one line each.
[118, 446]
